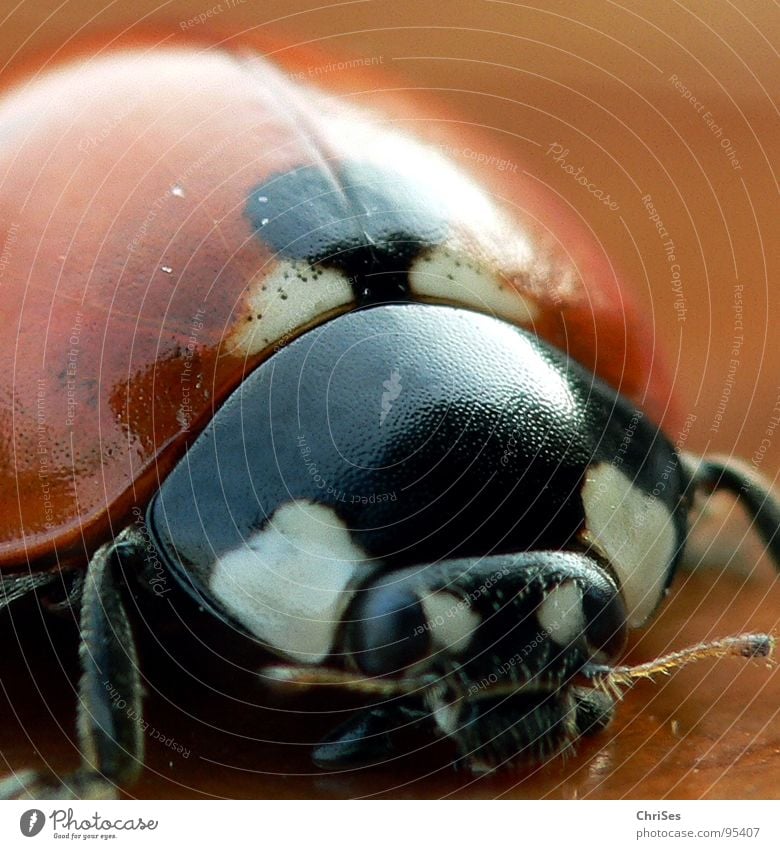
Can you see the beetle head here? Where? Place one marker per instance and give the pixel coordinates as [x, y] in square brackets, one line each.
[494, 644]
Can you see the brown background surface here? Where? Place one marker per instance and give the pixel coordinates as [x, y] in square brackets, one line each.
[594, 77]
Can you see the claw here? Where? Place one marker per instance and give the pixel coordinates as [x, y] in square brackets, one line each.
[31, 784]
[372, 736]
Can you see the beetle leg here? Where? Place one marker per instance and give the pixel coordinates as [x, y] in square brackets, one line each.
[594, 710]
[109, 708]
[495, 733]
[553, 726]
[13, 587]
[373, 736]
[712, 474]
[65, 598]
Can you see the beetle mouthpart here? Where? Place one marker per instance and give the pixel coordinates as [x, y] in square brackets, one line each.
[613, 678]
[307, 678]
[310, 677]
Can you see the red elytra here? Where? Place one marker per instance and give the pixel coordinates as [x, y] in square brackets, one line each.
[130, 269]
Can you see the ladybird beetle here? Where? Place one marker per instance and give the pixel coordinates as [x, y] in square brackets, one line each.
[267, 350]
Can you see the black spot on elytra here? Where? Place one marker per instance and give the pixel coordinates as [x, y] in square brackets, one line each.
[368, 223]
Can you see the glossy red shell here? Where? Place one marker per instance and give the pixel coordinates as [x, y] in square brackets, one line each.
[127, 259]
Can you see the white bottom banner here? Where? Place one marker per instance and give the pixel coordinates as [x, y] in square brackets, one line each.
[393, 824]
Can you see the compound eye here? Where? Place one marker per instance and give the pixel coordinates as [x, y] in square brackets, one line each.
[586, 611]
[387, 632]
[606, 631]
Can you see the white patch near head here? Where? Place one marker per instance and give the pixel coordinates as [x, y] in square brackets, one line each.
[451, 621]
[560, 615]
[446, 716]
[281, 304]
[446, 275]
[635, 532]
[290, 584]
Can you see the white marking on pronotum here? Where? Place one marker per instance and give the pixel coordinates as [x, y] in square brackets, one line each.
[444, 275]
[447, 716]
[450, 620]
[635, 531]
[291, 582]
[392, 387]
[280, 303]
[560, 615]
